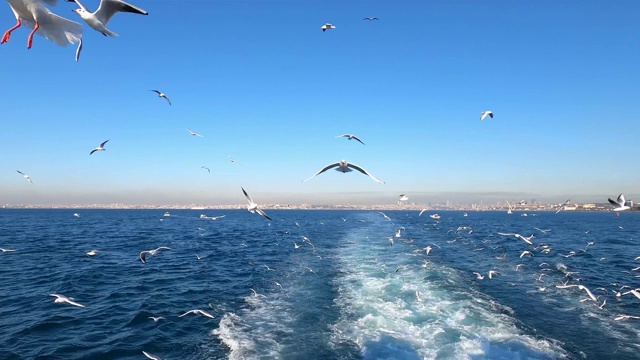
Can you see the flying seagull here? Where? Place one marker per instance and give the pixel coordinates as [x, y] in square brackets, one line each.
[344, 167]
[194, 133]
[99, 148]
[25, 176]
[351, 137]
[253, 207]
[98, 19]
[619, 203]
[204, 167]
[63, 299]
[371, 18]
[150, 356]
[403, 197]
[327, 26]
[162, 95]
[233, 161]
[484, 114]
[198, 311]
[34, 14]
[143, 254]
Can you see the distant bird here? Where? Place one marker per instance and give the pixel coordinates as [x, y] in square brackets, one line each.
[199, 257]
[422, 211]
[388, 218]
[493, 272]
[326, 27]
[150, 356]
[76, 215]
[61, 299]
[206, 168]
[253, 207]
[6, 250]
[626, 317]
[371, 18]
[344, 167]
[619, 203]
[25, 176]
[563, 205]
[403, 197]
[162, 95]
[232, 160]
[98, 19]
[351, 137]
[99, 148]
[194, 133]
[92, 253]
[217, 217]
[36, 15]
[143, 254]
[478, 275]
[156, 319]
[484, 114]
[418, 297]
[199, 312]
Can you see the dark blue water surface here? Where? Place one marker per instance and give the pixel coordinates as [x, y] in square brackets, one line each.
[345, 293]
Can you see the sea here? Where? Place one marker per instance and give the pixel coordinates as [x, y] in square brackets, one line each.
[319, 284]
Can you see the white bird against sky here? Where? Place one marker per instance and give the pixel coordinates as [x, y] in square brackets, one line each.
[327, 26]
[351, 137]
[403, 197]
[98, 19]
[345, 167]
[253, 207]
[25, 176]
[484, 114]
[162, 95]
[143, 254]
[193, 133]
[34, 14]
[99, 148]
[619, 203]
[61, 299]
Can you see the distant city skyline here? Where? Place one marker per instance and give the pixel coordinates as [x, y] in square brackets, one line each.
[560, 78]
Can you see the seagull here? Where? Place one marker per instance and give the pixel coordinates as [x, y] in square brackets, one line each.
[36, 15]
[98, 19]
[327, 26]
[194, 133]
[198, 311]
[25, 176]
[150, 356]
[253, 207]
[418, 297]
[403, 197]
[7, 250]
[479, 276]
[204, 167]
[351, 137]
[143, 254]
[484, 114]
[344, 167]
[92, 253]
[422, 211]
[563, 205]
[526, 252]
[493, 272]
[217, 217]
[63, 299]
[162, 95]
[388, 218]
[156, 319]
[99, 148]
[371, 18]
[199, 257]
[619, 203]
[76, 215]
[233, 161]
[626, 317]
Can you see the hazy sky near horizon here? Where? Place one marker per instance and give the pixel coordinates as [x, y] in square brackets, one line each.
[263, 84]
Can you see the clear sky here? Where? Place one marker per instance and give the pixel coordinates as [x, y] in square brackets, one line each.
[263, 84]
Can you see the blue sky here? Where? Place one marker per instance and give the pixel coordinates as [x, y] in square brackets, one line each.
[262, 83]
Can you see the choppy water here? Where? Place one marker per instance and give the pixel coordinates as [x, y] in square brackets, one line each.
[346, 293]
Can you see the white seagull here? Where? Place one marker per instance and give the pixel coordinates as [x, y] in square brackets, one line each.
[99, 148]
[36, 15]
[60, 299]
[484, 114]
[98, 19]
[403, 197]
[619, 203]
[162, 95]
[388, 218]
[156, 319]
[76, 215]
[493, 272]
[6, 250]
[150, 356]
[327, 26]
[351, 137]
[25, 176]
[193, 133]
[344, 167]
[253, 207]
[143, 254]
[92, 253]
[198, 311]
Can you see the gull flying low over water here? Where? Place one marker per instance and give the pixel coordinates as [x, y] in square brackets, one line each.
[198, 311]
[98, 19]
[99, 148]
[143, 254]
[6, 250]
[25, 176]
[327, 26]
[35, 15]
[619, 203]
[92, 253]
[162, 95]
[484, 114]
[385, 215]
[351, 137]
[194, 133]
[60, 299]
[253, 207]
[344, 167]
[150, 356]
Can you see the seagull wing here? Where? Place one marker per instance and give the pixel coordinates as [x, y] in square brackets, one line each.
[343, 135]
[102, 145]
[247, 196]
[79, 50]
[92, 151]
[156, 91]
[621, 200]
[150, 356]
[613, 202]
[143, 256]
[187, 313]
[356, 167]
[259, 211]
[355, 137]
[108, 8]
[21, 173]
[422, 211]
[74, 303]
[167, 98]
[330, 166]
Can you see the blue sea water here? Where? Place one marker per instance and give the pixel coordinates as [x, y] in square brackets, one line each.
[345, 293]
